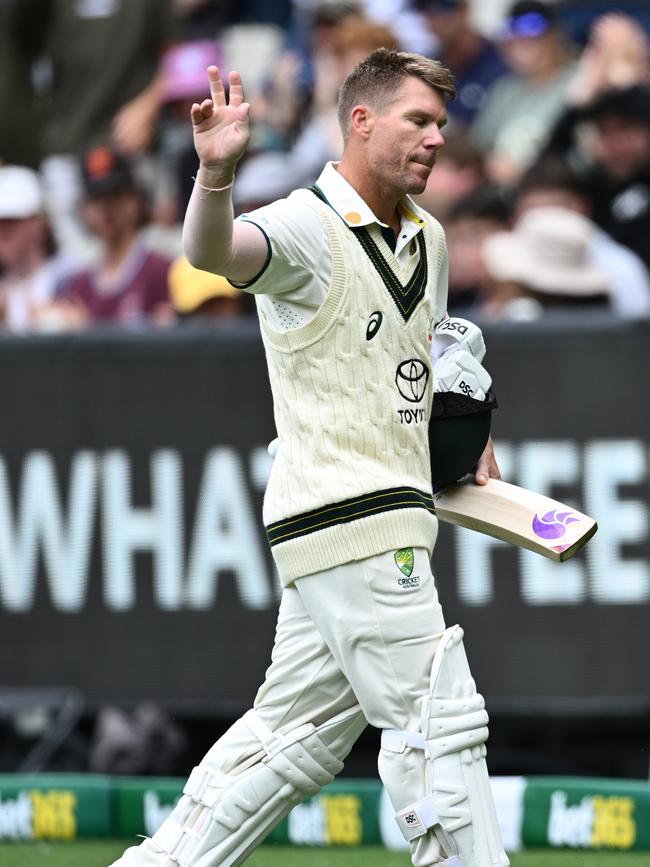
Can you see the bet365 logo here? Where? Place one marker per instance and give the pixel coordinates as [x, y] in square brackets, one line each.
[39, 815]
[597, 821]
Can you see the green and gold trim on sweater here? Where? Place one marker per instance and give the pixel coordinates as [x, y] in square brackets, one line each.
[348, 510]
[406, 296]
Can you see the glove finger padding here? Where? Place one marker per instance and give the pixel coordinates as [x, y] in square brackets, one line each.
[459, 371]
[455, 333]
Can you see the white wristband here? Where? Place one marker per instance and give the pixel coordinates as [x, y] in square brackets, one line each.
[213, 189]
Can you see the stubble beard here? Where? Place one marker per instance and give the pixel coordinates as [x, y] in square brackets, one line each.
[419, 182]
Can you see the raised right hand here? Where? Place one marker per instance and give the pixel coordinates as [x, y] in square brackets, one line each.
[221, 130]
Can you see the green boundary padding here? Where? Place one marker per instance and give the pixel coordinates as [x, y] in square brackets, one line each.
[586, 813]
[55, 806]
[140, 804]
[68, 806]
[558, 812]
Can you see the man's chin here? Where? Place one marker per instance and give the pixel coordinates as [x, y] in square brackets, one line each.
[418, 185]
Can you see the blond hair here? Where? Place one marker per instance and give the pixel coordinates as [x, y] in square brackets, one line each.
[376, 80]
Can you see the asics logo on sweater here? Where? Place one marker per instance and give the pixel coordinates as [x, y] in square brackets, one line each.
[374, 324]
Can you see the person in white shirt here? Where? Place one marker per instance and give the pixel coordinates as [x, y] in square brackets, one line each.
[350, 282]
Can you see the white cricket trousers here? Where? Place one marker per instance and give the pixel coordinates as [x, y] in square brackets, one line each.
[362, 633]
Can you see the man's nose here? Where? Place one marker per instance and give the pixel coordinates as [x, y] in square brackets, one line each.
[434, 138]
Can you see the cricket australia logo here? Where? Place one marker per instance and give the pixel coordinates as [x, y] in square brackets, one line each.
[411, 379]
[405, 561]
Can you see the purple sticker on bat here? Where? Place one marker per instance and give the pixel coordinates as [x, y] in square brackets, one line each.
[553, 524]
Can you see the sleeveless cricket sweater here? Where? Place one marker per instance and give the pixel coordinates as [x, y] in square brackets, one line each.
[352, 395]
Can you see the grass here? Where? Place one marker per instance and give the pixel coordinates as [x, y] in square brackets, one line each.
[101, 853]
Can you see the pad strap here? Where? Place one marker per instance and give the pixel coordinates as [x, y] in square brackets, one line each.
[272, 742]
[396, 741]
[416, 819]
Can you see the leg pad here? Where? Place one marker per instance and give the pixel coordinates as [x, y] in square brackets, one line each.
[458, 800]
[222, 817]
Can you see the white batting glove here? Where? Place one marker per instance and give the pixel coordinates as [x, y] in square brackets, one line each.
[453, 334]
[462, 373]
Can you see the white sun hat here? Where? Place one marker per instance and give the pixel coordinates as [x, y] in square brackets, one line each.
[20, 193]
[547, 251]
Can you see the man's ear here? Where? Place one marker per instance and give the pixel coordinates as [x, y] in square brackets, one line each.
[362, 121]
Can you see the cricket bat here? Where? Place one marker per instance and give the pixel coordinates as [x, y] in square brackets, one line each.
[516, 515]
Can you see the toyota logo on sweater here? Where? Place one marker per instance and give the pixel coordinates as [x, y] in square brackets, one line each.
[411, 379]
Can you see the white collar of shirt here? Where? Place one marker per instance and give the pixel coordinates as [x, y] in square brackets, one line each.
[355, 212]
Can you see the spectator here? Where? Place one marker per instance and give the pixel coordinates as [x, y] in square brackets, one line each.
[617, 56]
[20, 42]
[104, 60]
[199, 18]
[207, 16]
[520, 108]
[402, 20]
[474, 218]
[129, 284]
[552, 182]
[30, 271]
[472, 58]
[611, 149]
[278, 112]
[605, 129]
[542, 265]
[199, 295]
[460, 170]
[320, 140]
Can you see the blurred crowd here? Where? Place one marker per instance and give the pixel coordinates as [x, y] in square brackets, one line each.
[543, 185]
